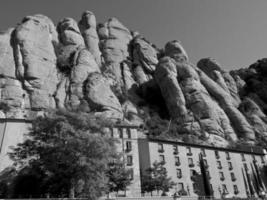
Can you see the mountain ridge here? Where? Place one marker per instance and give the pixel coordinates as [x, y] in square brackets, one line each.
[117, 74]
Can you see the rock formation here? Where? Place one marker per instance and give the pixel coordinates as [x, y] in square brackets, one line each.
[115, 73]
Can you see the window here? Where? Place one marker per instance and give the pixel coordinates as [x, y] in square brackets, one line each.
[254, 158]
[111, 132]
[180, 186]
[177, 161]
[219, 164]
[221, 176]
[211, 188]
[236, 189]
[188, 149]
[128, 146]
[193, 172]
[224, 188]
[227, 155]
[175, 149]
[203, 152]
[233, 178]
[120, 132]
[205, 163]
[243, 157]
[192, 175]
[190, 162]
[160, 148]
[208, 174]
[129, 160]
[131, 174]
[245, 166]
[217, 154]
[128, 133]
[194, 186]
[230, 166]
[262, 160]
[179, 173]
[161, 158]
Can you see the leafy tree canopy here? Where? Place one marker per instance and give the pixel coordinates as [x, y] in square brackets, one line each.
[71, 153]
[119, 177]
[156, 178]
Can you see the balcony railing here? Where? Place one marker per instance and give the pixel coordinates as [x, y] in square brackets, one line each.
[236, 191]
[233, 179]
[191, 165]
[175, 152]
[161, 150]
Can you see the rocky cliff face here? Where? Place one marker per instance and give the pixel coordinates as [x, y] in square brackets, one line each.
[116, 73]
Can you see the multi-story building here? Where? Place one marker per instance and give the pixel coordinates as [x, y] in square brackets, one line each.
[235, 172]
[194, 168]
[127, 137]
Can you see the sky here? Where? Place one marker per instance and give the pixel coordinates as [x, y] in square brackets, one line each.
[234, 32]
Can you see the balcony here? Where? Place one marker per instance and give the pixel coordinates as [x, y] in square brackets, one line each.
[230, 168]
[236, 192]
[177, 163]
[208, 176]
[179, 176]
[128, 150]
[189, 154]
[233, 179]
[175, 152]
[222, 178]
[193, 178]
[219, 167]
[191, 165]
[161, 150]
[129, 164]
[217, 156]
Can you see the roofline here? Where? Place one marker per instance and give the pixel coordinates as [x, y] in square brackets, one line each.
[156, 139]
[16, 120]
[206, 146]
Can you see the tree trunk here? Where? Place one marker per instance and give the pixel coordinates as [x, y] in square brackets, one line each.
[72, 190]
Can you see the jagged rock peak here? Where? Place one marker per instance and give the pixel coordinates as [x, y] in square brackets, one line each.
[106, 69]
[175, 50]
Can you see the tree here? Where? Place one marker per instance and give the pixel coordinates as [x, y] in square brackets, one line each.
[119, 177]
[70, 150]
[156, 178]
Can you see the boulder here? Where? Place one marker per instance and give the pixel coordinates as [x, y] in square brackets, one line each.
[255, 116]
[166, 78]
[175, 50]
[101, 99]
[35, 59]
[213, 69]
[239, 122]
[87, 26]
[144, 59]
[115, 38]
[210, 116]
[83, 65]
[69, 33]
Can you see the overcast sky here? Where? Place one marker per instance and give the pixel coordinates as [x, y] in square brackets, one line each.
[234, 32]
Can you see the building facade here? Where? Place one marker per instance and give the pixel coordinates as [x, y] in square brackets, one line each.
[197, 169]
[232, 172]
